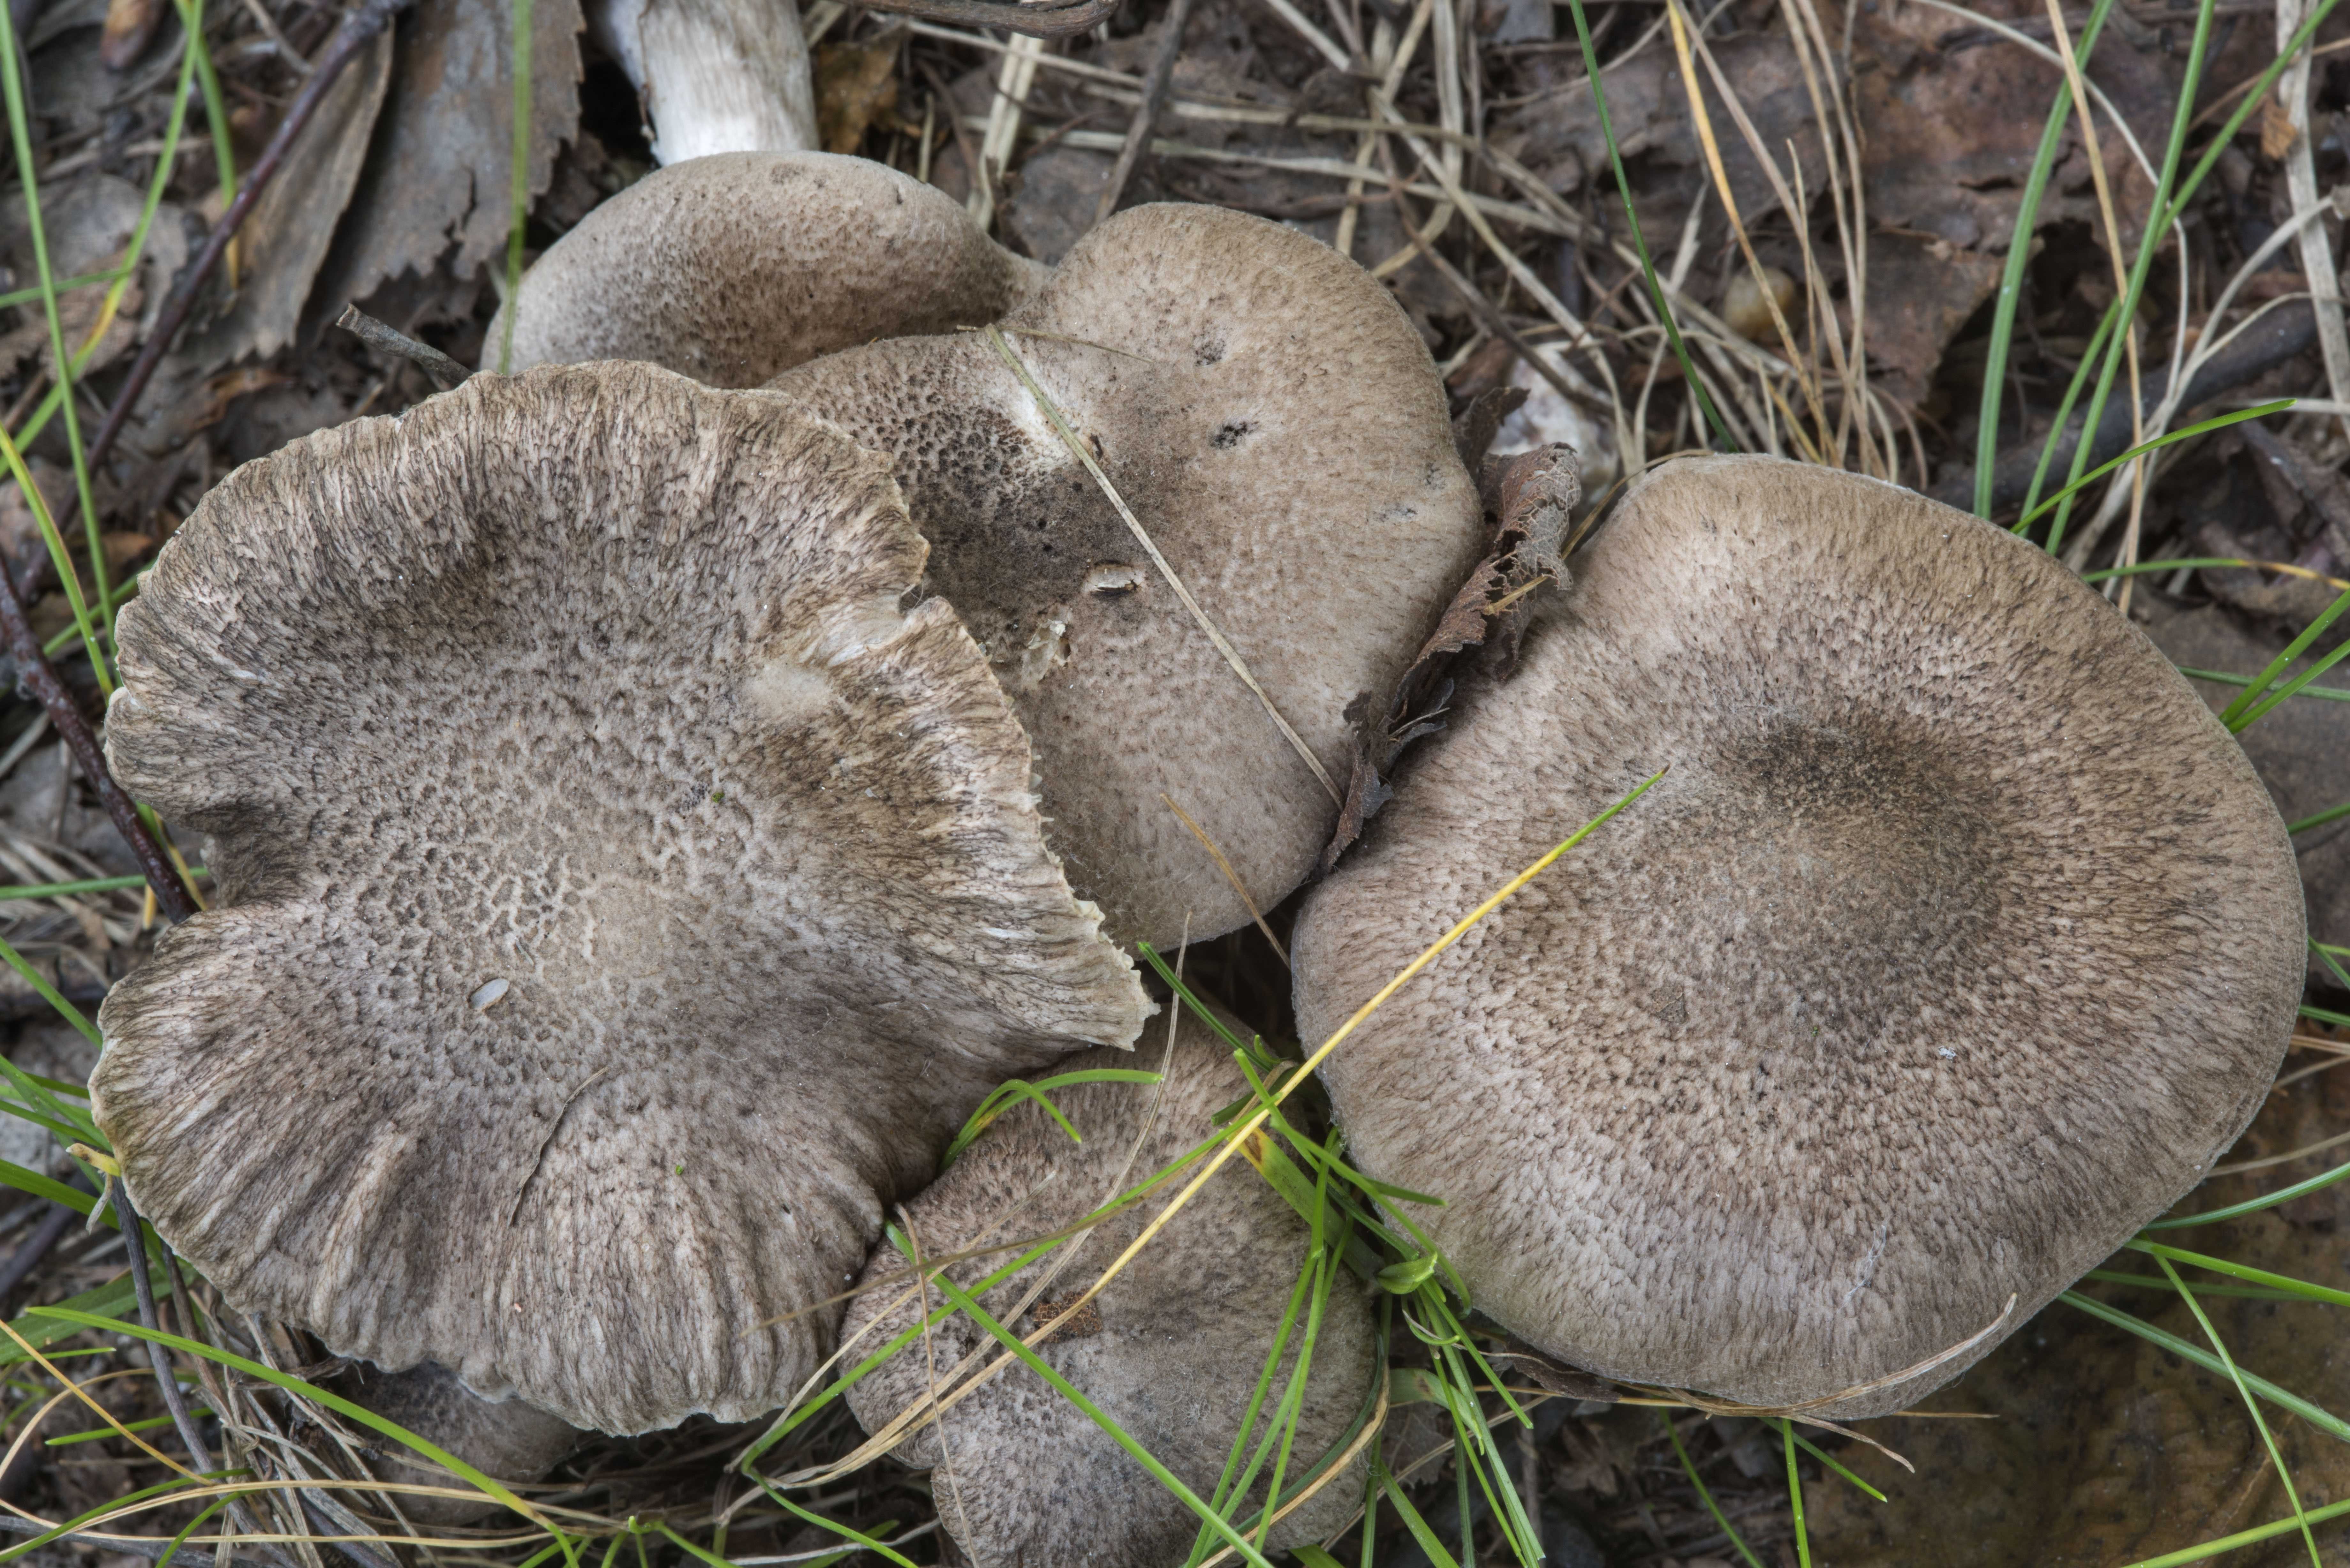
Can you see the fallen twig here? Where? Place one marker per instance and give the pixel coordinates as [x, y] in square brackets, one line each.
[358, 29]
[445, 372]
[1053, 19]
[37, 679]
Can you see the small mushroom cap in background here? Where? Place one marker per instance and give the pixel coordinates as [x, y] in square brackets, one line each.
[505, 1439]
[621, 898]
[735, 267]
[1170, 1349]
[1276, 426]
[1959, 942]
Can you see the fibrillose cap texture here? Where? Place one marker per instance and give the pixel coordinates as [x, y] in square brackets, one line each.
[1170, 1349]
[620, 900]
[1957, 943]
[1277, 427]
[732, 267]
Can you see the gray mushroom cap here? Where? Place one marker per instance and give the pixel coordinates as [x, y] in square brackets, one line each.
[1170, 1349]
[1959, 942]
[735, 267]
[1277, 428]
[621, 898]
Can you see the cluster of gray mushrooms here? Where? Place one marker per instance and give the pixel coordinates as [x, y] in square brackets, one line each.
[655, 796]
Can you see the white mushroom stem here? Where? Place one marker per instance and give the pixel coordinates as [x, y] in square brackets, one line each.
[715, 76]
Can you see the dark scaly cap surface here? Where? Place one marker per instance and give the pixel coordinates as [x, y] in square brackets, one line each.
[1959, 942]
[733, 267]
[1170, 1349]
[590, 685]
[1276, 425]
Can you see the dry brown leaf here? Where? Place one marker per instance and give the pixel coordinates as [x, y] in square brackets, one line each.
[130, 25]
[284, 237]
[855, 89]
[435, 185]
[2278, 133]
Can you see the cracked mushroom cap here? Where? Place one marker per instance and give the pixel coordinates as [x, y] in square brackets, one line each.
[620, 898]
[1170, 1349]
[1959, 942]
[733, 267]
[1278, 429]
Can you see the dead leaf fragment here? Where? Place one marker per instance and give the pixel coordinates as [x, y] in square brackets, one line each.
[285, 239]
[1529, 500]
[130, 25]
[2278, 133]
[857, 88]
[439, 165]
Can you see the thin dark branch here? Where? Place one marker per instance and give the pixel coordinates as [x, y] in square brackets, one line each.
[1055, 19]
[1145, 114]
[37, 681]
[357, 30]
[135, 1235]
[445, 372]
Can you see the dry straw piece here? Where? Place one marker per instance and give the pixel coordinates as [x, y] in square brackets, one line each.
[594, 682]
[1959, 940]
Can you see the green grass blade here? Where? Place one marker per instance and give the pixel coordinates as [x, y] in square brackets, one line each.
[1795, 1495]
[2156, 1283]
[2224, 678]
[2322, 1180]
[2019, 257]
[2234, 714]
[2245, 1272]
[192, 18]
[93, 1434]
[111, 1299]
[39, 1186]
[2222, 422]
[29, 183]
[2291, 688]
[66, 576]
[1639, 241]
[2149, 244]
[1413, 1522]
[1825, 1458]
[1095, 1413]
[2242, 1539]
[2316, 1415]
[348, 1409]
[51, 994]
[1706, 1496]
[2167, 213]
[66, 890]
[1015, 1089]
[2276, 1456]
[847, 1532]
